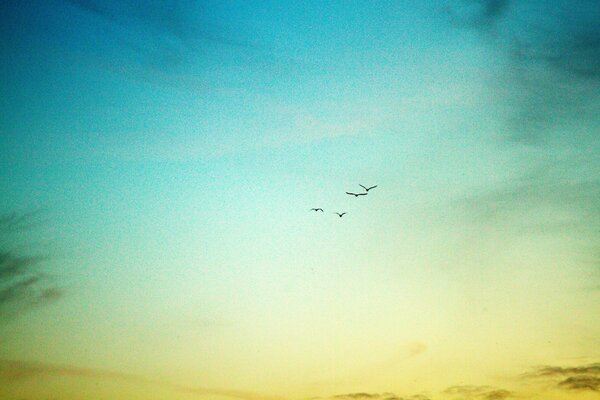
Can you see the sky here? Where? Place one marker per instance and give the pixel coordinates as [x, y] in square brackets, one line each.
[158, 164]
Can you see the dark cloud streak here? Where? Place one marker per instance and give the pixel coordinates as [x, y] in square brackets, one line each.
[552, 66]
[19, 221]
[581, 382]
[168, 18]
[578, 378]
[377, 396]
[477, 14]
[479, 392]
[554, 79]
[22, 284]
[560, 371]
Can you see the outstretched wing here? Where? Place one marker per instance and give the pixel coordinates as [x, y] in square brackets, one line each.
[372, 187]
[351, 194]
[319, 209]
[360, 194]
[363, 187]
[344, 213]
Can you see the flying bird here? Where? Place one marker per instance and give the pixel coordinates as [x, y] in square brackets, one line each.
[316, 209]
[356, 194]
[366, 188]
[340, 215]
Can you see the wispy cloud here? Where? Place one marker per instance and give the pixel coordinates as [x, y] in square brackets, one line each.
[575, 51]
[18, 221]
[179, 21]
[583, 377]
[552, 88]
[551, 63]
[479, 14]
[377, 396]
[544, 98]
[18, 371]
[362, 395]
[22, 284]
[572, 379]
[562, 183]
[479, 392]
[562, 371]
[159, 41]
[581, 382]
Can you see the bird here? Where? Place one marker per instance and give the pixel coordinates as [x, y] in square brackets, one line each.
[340, 215]
[366, 188]
[316, 209]
[356, 194]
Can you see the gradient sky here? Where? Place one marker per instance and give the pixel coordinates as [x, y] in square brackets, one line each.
[169, 154]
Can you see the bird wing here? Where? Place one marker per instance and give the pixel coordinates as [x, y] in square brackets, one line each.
[372, 187]
[362, 186]
[344, 213]
[352, 194]
[360, 194]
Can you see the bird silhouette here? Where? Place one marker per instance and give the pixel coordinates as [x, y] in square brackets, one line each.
[356, 194]
[340, 215]
[366, 188]
[316, 209]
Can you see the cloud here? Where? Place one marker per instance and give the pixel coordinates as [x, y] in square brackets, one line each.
[479, 14]
[23, 287]
[584, 377]
[581, 382]
[578, 378]
[479, 392]
[550, 65]
[554, 199]
[499, 394]
[12, 266]
[553, 85]
[19, 371]
[192, 45]
[561, 183]
[553, 76]
[574, 50]
[377, 396]
[593, 369]
[160, 42]
[544, 99]
[22, 284]
[101, 9]
[19, 221]
[179, 20]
